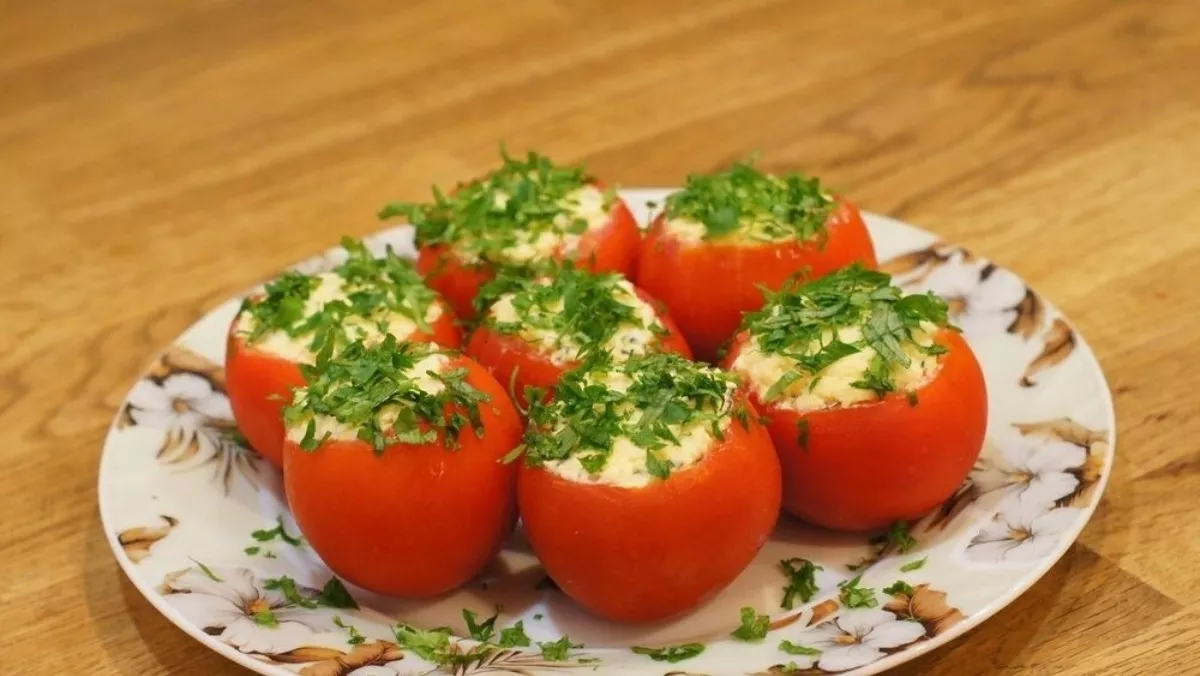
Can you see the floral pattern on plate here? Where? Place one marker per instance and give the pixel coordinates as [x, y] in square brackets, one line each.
[178, 487]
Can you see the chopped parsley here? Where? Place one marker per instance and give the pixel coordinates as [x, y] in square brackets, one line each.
[374, 288]
[252, 550]
[557, 651]
[744, 200]
[480, 631]
[897, 538]
[269, 534]
[663, 394]
[483, 220]
[795, 649]
[802, 583]
[432, 645]
[208, 572]
[265, 618]
[754, 627]
[854, 596]
[355, 386]
[672, 654]
[577, 311]
[898, 587]
[354, 636]
[915, 564]
[333, 595]
[514, 636]
[804, 321]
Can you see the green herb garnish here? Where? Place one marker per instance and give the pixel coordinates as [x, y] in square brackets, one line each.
[915, 564]
[480, 631]
[333, 595]
[279, 531]
[802, 583]
[374, 289]
[897, 537]
[558, 651]
[672, 654]
[354, 636]
[358, 385]
[898, 587]
[431, 645]
[794, 649]
[207, 571]
[814, 324]
[514, 636]
[854, 596]
[571, 312]
[744, 200]
[266, 618]
[487, 219]
[754, 627]
[665, 395]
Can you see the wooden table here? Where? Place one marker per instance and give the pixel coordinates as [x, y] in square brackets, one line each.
[158, 155]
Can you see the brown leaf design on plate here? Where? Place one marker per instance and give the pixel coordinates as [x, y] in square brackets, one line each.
[952, 507]
[179, 359]
[306, 654]
[927, 606]
[337, 663]
[1059, 344]
[503, 660]
[1063, 429]
[137, 541]
[786, 621]
[1031, 314]
[822, 610]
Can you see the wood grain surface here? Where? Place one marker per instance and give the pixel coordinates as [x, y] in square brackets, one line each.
[158, 155]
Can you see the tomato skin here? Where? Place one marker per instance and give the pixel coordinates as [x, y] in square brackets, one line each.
[708, 286]
[415, 520]
[612, 248]
[260, 384]
[869, 465]
[648, 554]
[503, 354]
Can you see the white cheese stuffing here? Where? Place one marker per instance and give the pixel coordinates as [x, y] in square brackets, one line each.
[332, 288]
[750, 231]
[833, 385]
[630, 339]
[626, 465]
[340, 431]
[586, 203]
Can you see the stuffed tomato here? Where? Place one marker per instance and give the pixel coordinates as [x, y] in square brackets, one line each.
[299, 316]
[877, 406]
[725, 237]
[539, 328]
[647, 485]
[392, 466]
[523, 214]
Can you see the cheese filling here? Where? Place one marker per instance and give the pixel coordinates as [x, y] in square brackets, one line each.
[835, 384]
[628, 339]
[327, 426]
[332, 288]
[762, 229]
[627, 465]
[583, 210]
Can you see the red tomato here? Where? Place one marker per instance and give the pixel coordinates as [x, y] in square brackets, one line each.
[646, 554]
[866, 466]
[709, 285]
[260, 384]
[612, 248]
[503, 354]
[415, 520]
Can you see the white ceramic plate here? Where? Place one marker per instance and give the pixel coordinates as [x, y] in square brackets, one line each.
[177, 491]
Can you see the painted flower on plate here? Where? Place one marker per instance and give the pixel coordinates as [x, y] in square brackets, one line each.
[983, 298]
[1022, 532]
[1037, 471]
[231, 603]
[855, 639]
